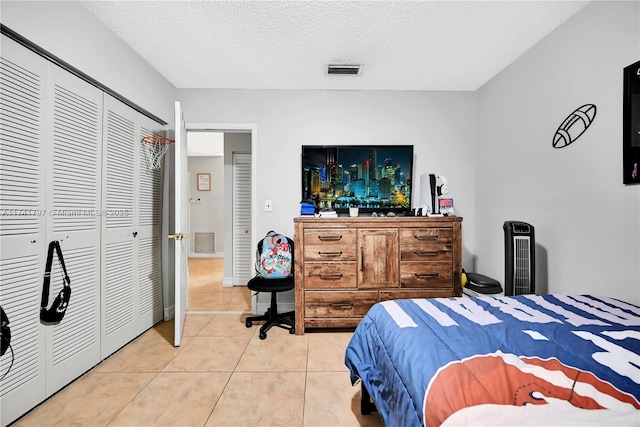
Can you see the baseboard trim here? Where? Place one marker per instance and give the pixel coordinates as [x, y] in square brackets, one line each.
[169, 313]
[201, 255]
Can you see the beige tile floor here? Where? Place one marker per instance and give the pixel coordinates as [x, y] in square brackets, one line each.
[221, 375]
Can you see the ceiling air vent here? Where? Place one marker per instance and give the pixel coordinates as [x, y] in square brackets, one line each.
[344, 69]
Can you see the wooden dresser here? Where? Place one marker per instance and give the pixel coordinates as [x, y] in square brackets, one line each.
[345, 265]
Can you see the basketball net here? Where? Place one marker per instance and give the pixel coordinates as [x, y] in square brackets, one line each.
[153, 148]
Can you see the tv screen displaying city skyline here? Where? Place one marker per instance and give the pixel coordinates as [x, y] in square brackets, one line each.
[372, 178]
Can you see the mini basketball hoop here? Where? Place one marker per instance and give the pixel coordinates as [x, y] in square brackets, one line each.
[154, 147]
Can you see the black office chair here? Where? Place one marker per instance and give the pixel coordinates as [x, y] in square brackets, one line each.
[271, 316]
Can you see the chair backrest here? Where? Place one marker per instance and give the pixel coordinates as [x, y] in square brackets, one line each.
[268, 265]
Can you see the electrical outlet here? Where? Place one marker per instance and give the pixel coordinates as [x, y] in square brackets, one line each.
[268, 206]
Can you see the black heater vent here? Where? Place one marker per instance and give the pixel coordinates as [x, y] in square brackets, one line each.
[344, 69]
[519, 245]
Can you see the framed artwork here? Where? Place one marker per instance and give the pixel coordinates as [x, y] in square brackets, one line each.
[204, 182]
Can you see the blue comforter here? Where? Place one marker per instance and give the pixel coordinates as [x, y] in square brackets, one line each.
[421, 360]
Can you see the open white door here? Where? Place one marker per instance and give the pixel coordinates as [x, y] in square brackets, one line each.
[181, 223]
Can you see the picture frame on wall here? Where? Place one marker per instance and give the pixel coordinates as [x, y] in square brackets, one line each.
[204, 182]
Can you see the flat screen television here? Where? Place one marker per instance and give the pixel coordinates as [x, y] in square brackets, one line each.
[373, 178]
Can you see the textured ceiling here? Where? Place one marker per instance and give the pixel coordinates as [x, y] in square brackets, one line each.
[403, 45]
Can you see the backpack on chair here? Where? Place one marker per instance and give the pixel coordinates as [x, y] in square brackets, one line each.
[274, 257]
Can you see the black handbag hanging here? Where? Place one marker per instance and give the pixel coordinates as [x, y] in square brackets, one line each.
[54, 314]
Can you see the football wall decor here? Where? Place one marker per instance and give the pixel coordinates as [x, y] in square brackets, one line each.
[574, 125]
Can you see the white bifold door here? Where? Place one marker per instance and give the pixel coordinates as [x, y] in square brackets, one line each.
[131, 299]
[71, 171]
[73, 162]
[180, 226]
[243, 263]
[23, 248]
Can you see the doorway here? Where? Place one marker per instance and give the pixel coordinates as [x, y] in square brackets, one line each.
[216, 277]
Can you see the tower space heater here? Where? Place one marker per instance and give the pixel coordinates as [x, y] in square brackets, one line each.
[519, 262]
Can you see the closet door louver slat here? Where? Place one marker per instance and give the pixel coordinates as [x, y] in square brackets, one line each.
[76, 130]
[119, 286]
[71, 336]
[121, 134]
[150, 276]
[21, 111]
[17, 275]
[150, 189]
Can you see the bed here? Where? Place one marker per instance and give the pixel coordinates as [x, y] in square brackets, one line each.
[500, 360]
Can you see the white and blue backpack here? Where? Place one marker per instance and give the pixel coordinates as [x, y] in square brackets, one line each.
[274, 256]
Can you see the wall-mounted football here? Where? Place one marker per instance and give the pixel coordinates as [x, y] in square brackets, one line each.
[574, 125]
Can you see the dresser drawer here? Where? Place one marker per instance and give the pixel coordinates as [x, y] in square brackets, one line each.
[328, 236]
[338, 303]
[426, 244]
[415, 274]
[329, 245]
[330, 275]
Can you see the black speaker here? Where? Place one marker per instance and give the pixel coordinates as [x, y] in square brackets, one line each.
[631, 125]
[5, 332]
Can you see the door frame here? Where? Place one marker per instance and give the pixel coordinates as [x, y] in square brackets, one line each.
[243, 127]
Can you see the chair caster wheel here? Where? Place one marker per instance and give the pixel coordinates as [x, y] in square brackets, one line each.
[263, 335]
[292, 331]
[248, 323]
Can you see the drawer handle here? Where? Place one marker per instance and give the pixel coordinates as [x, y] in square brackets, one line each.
[342, 305]
[330, 253]
[331, 276]
[426, 275]
[426, 253]
[329, 238]
[426, 237]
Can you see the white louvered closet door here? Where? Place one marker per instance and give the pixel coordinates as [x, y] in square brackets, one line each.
[149, 227]
[74, 131]
[22, 224]
[119, 234]
[243, 253]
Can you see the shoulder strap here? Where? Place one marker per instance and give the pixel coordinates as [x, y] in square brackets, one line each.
[54, 245]
[61, 260]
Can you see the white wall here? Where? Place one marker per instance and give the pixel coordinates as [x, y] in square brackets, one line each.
[207, 215]
[74, 34]
[440, 125]
[586, 220]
